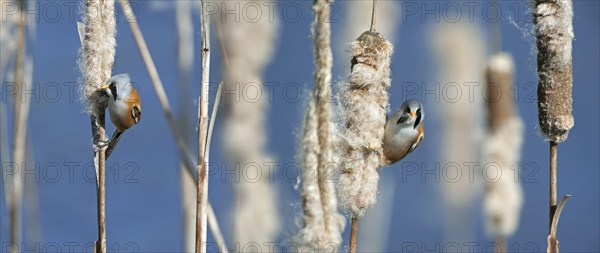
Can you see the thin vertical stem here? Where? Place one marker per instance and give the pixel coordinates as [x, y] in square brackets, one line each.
[20, 132]
[553, 245]
[353, 235]
[500, 244]
[161, 94]
[99, 132]
[553, 181]
[98, 31]
[495, 34]
[202, 190]
[373, 16]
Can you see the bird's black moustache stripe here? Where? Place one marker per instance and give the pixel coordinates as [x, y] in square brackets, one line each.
[113, 90]
[418, 119]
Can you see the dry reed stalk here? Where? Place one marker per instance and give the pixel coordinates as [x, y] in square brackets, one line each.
[364, 102]
[97, 58]
[21, 113]
[353, 235]
[30, 205]
[323, 224]
[4, 154]
[460, 50]
[502, 147]
[553, 21]
[7, 36]
[249, 46]
[184, 152]
[202, 190]
[6, 50]
[211, 216]
[553, 244]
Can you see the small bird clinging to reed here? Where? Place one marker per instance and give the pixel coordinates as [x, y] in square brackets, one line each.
[124, 106]
[404, 131]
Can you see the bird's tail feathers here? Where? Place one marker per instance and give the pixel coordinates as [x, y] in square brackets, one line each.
[113, 142]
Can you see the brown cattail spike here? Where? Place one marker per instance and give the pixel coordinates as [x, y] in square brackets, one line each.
[554, 33]
[499, 93]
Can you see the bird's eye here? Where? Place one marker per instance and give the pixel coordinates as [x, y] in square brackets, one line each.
[419, 111]
[112, 85]
[407, 110]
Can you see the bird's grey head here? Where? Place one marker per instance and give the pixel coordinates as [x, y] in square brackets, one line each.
[410, 113]
[118, 87]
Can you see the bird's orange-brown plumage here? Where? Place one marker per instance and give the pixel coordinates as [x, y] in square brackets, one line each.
[131, 116]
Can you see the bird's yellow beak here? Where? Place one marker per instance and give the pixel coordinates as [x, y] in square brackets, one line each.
[412, 114]
[104, 86]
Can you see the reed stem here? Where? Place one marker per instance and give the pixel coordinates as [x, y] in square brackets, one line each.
[19, 133]
[500, 244]
[372, 29]
[553, 182]
[157, 84]
[353, 235]
[202, 190]
[98, 123]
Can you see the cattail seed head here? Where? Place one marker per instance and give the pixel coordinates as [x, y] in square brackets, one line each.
[322, 223]
[501, 149]
[364, 104]
[503, 198]
[98, 50]
[499, 93]
[553, 21]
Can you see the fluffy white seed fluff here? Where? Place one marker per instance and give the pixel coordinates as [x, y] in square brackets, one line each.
[98, 51]
[501, 63]
[503, 199]
[363, 105]
[322, 223]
